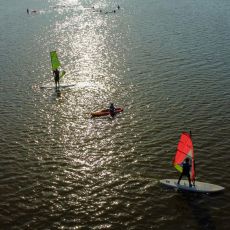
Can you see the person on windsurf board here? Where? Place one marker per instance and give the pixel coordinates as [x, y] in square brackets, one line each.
[56, 74]
[186, 171]
[184, 162]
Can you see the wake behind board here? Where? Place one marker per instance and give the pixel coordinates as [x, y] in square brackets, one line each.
[62, 86]
[200, 187]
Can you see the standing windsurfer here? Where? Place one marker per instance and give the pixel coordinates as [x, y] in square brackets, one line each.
[56, 74]
[186, 171]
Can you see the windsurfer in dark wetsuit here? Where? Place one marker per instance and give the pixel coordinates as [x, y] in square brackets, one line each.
[186, 171]
[56, 74]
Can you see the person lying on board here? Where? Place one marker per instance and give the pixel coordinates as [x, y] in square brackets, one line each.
[186, 172]
[34, 11]
[113, 11]
[112, 110]
[56, 74]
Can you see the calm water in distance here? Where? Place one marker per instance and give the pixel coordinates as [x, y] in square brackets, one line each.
[166, 62]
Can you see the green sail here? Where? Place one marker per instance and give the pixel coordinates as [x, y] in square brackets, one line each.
[54, 60]
[55, 63]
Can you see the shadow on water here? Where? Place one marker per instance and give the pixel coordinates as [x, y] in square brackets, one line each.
[200, 210]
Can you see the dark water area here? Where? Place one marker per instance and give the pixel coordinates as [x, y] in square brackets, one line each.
[166, 62]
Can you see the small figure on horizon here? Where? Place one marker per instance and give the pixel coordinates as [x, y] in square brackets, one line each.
[56, 74]
[186, 172]
[118, 7]
[27, 11]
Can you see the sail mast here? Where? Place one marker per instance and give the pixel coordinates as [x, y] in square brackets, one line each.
[193, 175]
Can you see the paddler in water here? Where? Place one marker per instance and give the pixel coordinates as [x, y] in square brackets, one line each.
[186, 172]
[112, 110]
[56, 74]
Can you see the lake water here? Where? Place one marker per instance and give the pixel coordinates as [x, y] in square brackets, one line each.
[166, 62]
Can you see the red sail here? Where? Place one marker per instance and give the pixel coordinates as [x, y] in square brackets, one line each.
[184, 150]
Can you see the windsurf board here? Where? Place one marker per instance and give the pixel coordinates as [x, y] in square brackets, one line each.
[200, 187]
[62, 86]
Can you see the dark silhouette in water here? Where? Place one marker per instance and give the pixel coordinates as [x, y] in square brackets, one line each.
[112, 110]
[58, 91]
[56, 74]
[186, 172]
[27, 11]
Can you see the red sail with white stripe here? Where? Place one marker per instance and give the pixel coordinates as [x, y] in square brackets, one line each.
[185, 150]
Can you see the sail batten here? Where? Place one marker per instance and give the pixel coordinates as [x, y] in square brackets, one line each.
[184, 150]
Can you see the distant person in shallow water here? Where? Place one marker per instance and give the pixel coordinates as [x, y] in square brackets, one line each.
[112, 110]
[56, 74]
[27, 11]
[118, 7]
[186, 171]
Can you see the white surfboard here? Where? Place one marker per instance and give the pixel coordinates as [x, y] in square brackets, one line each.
[62, 86]
[200, 187]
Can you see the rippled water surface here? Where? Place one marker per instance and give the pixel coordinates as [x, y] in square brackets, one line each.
[166, 62]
